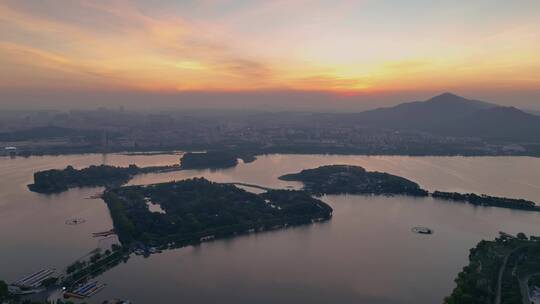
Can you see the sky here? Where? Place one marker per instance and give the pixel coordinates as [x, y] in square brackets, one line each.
[261, 52]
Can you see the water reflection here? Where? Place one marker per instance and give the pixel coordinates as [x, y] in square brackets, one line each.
[366, 253]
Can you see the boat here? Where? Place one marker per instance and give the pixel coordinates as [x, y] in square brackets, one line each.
[422, 230]
[104, 233]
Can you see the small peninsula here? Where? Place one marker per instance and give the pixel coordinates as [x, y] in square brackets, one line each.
[196, 210]
[56, 181]
[344, 179]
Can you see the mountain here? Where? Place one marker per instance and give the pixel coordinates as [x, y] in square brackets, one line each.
[452, 115]
[423, 115]
[499, 123]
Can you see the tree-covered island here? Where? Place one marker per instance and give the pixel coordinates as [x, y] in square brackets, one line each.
[346, 179]
[195, 210]
[486, 200]
[59, 180]
[208, 160]
[215, 159]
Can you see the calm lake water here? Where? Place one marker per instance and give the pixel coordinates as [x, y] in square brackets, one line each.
[365, 254]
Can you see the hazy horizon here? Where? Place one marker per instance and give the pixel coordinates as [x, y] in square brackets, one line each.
[307, 101]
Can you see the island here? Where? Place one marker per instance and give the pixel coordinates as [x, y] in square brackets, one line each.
[499, 271]
[345, 179]
[4, 292]
[208, 160]
[56, 181]
[196, 210]
[215, 159]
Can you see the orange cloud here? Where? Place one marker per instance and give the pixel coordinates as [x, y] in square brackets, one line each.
[117, 44]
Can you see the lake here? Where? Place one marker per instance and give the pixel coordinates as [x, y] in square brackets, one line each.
[365, 254]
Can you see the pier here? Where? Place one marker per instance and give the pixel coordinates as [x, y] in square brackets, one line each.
[35, 279]
[86, 290]
[104, 233]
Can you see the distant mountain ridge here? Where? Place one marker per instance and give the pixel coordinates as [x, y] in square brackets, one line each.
[453, 115]
[498, 123]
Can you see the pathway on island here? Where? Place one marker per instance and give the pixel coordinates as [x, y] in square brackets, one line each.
[500, 276]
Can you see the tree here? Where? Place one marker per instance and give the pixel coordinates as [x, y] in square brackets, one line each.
[3, 290]
[116, 247]
[49, 282]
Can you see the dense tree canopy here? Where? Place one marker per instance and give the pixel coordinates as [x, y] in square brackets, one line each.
[3, 290]
[197, 207]
[209, 160]
[54, 180]
[339, 179]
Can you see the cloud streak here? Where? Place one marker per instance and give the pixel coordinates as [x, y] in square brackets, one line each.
[350, 46]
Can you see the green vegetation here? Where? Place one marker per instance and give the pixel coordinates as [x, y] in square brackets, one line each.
[3, 290]
[51, 181]
[197, 209]
[512, 258]
[54, 181]
[344, 179]
[208, 160]
[485, 200]
[341, 179]
[216, 159]
[96, 264]
[534, 281]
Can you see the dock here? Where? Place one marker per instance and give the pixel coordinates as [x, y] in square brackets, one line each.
[98, 195]
[104, 233]
[35, 279]
[86, 290]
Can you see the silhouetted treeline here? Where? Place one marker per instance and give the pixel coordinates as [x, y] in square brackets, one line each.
[55, 180]
[486, 200]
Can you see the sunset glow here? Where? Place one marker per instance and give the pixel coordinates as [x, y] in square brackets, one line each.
[335, 46]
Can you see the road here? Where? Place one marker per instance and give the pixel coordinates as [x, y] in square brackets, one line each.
[500, 276]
